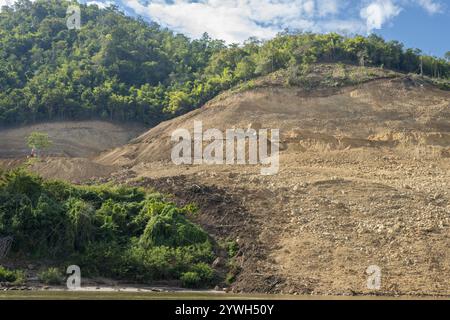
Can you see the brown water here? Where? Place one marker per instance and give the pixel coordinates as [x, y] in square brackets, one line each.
[92, 295]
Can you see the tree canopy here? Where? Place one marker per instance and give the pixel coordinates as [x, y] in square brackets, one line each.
[39, 141]
[121, 68]
[111, 231]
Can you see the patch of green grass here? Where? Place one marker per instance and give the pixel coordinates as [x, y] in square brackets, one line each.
[245, 86]
[190, 279]
[51, 276]
[231, 247]
[198, 275]
[15, 277]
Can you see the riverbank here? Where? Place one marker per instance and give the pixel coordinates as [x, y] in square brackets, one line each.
[133, 293]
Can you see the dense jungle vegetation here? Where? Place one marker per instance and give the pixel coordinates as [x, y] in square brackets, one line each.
[118, 232]
[124, 69]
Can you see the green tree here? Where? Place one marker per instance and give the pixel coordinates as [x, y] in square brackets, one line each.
[39, 141]
[245, 69]
[117, 67]
[178, 101]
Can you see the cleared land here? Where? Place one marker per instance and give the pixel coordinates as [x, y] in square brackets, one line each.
[70, 139]
[364, 179]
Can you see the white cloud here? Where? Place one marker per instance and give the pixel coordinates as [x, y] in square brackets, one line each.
[348, 27]
[6, 3]
[237, 20]
[430, 6]
[378, 13]
[224, 21]
[328, 7]
[100, 4]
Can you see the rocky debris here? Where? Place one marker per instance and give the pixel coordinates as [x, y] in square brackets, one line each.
[364, 180]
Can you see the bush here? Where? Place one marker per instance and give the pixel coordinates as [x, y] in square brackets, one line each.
[190, 280]
[205, 272]
[162, 262]
[119, 232]
[232, 248]
[51, 276]
[82, 221]
[200, 275]
[171, 228]
[16, 277]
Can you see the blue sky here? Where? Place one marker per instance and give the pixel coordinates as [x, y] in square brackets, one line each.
[423, 24]
[419, 29]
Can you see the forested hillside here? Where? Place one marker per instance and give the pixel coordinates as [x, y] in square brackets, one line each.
[119, 232]
[120, 68]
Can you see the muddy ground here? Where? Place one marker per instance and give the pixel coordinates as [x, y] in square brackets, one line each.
[364, 180]
[323, 220]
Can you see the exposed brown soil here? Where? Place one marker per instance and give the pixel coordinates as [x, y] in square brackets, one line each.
[74, 144]
[71, 138]
[318, 224]
[382, 113]
[364, 180]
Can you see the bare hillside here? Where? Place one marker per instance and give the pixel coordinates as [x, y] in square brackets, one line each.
[72, 139]
[364, 180]
[383, 111]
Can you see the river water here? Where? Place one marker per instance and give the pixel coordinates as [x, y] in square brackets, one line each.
[188, 295]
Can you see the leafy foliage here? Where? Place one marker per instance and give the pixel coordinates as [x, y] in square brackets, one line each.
[116, 67]
[119, 232]
[51, 276]
[199, 274]
[16, 277]
[39, 141]
[124, 69]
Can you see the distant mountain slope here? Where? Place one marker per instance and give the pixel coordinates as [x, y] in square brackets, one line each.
[121, 68]
[72, 139]
[327, 111]
[115, 67]
[363, 181]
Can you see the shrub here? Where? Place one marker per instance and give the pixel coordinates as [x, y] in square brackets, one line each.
[190, 280]
[232, 248]
[205, 272]
[111, 259]
[7, 275]
[116, 232]
[51, 276]
[20, 278]
[171, 228]
[16, 277]
[233, 272]
[200, 275]
[20, 182]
